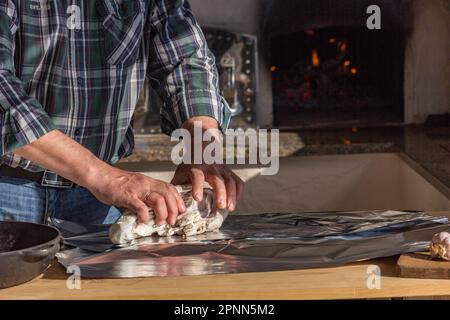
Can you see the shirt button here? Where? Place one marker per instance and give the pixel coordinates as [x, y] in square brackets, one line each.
[77, 132]
[80, 81]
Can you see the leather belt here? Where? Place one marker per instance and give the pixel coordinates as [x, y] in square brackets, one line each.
[44, 178]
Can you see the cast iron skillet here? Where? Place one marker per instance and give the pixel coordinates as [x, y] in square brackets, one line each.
[26, 250]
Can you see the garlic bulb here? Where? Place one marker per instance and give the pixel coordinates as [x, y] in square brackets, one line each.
[440, 246]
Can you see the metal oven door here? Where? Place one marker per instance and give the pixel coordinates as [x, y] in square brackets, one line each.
[236, 59]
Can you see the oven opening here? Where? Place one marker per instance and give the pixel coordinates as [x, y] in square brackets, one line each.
[337, 76]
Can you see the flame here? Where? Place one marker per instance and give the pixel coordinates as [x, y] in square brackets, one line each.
[332, 40]
[273, 68]
[343, 47]
[315, 58]
[354, 70]
[347, 63]
[346, 141]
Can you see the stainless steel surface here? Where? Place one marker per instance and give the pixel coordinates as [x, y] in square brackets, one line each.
[260, 242]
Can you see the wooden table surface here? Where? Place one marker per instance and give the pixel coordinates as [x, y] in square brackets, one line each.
[344, 282]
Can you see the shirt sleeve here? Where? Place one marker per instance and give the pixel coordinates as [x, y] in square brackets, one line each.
[22, 118]
[181, 67]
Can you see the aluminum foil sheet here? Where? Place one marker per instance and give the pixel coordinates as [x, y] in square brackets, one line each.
[252, 243]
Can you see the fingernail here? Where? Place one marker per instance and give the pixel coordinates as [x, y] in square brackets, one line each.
[222, 203]
[198, 196]
[183, 208]
[231, 206]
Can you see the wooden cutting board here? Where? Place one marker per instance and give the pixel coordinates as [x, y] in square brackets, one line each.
[421, 265]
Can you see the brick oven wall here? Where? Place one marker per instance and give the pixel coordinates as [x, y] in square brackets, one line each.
[427, 61]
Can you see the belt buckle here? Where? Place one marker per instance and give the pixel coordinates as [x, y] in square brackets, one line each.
[51, 179]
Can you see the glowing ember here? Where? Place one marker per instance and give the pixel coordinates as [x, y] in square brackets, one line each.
[332, 40]
[354, 70]
[315, 58]
[273, 68]
[347, 63]
[346, 141]
[343, 47]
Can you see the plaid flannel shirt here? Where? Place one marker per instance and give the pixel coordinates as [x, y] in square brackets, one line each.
[79, 66]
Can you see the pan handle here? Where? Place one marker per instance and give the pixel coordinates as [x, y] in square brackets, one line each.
[37, 254]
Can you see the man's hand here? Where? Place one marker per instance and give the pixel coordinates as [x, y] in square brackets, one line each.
[138, 192]
[61, 154]
[228, 187]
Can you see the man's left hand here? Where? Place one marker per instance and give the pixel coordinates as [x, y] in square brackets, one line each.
[227, 186]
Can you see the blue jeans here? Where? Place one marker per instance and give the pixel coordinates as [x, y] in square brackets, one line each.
[23, 200]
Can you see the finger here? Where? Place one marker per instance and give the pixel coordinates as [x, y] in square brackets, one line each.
[240, 186]
[197, 180]
[220, 191]
[140, 209]
[172, 208]
[157, 202]
[230, 184]
[178, 199]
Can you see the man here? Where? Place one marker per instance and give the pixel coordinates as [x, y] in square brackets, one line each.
[70, 74]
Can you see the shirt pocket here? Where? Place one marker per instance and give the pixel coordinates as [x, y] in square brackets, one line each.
[123, 28]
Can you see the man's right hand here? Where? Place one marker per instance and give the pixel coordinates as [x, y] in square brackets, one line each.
[137, 192]
[63, 155]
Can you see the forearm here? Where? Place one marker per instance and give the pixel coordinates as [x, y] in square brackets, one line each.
[203, 132]
[57, 152]
[206, 123]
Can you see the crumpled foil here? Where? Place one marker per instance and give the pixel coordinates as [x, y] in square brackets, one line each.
[252, 243]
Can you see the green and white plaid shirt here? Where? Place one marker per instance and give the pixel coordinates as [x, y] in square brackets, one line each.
[79, 66]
